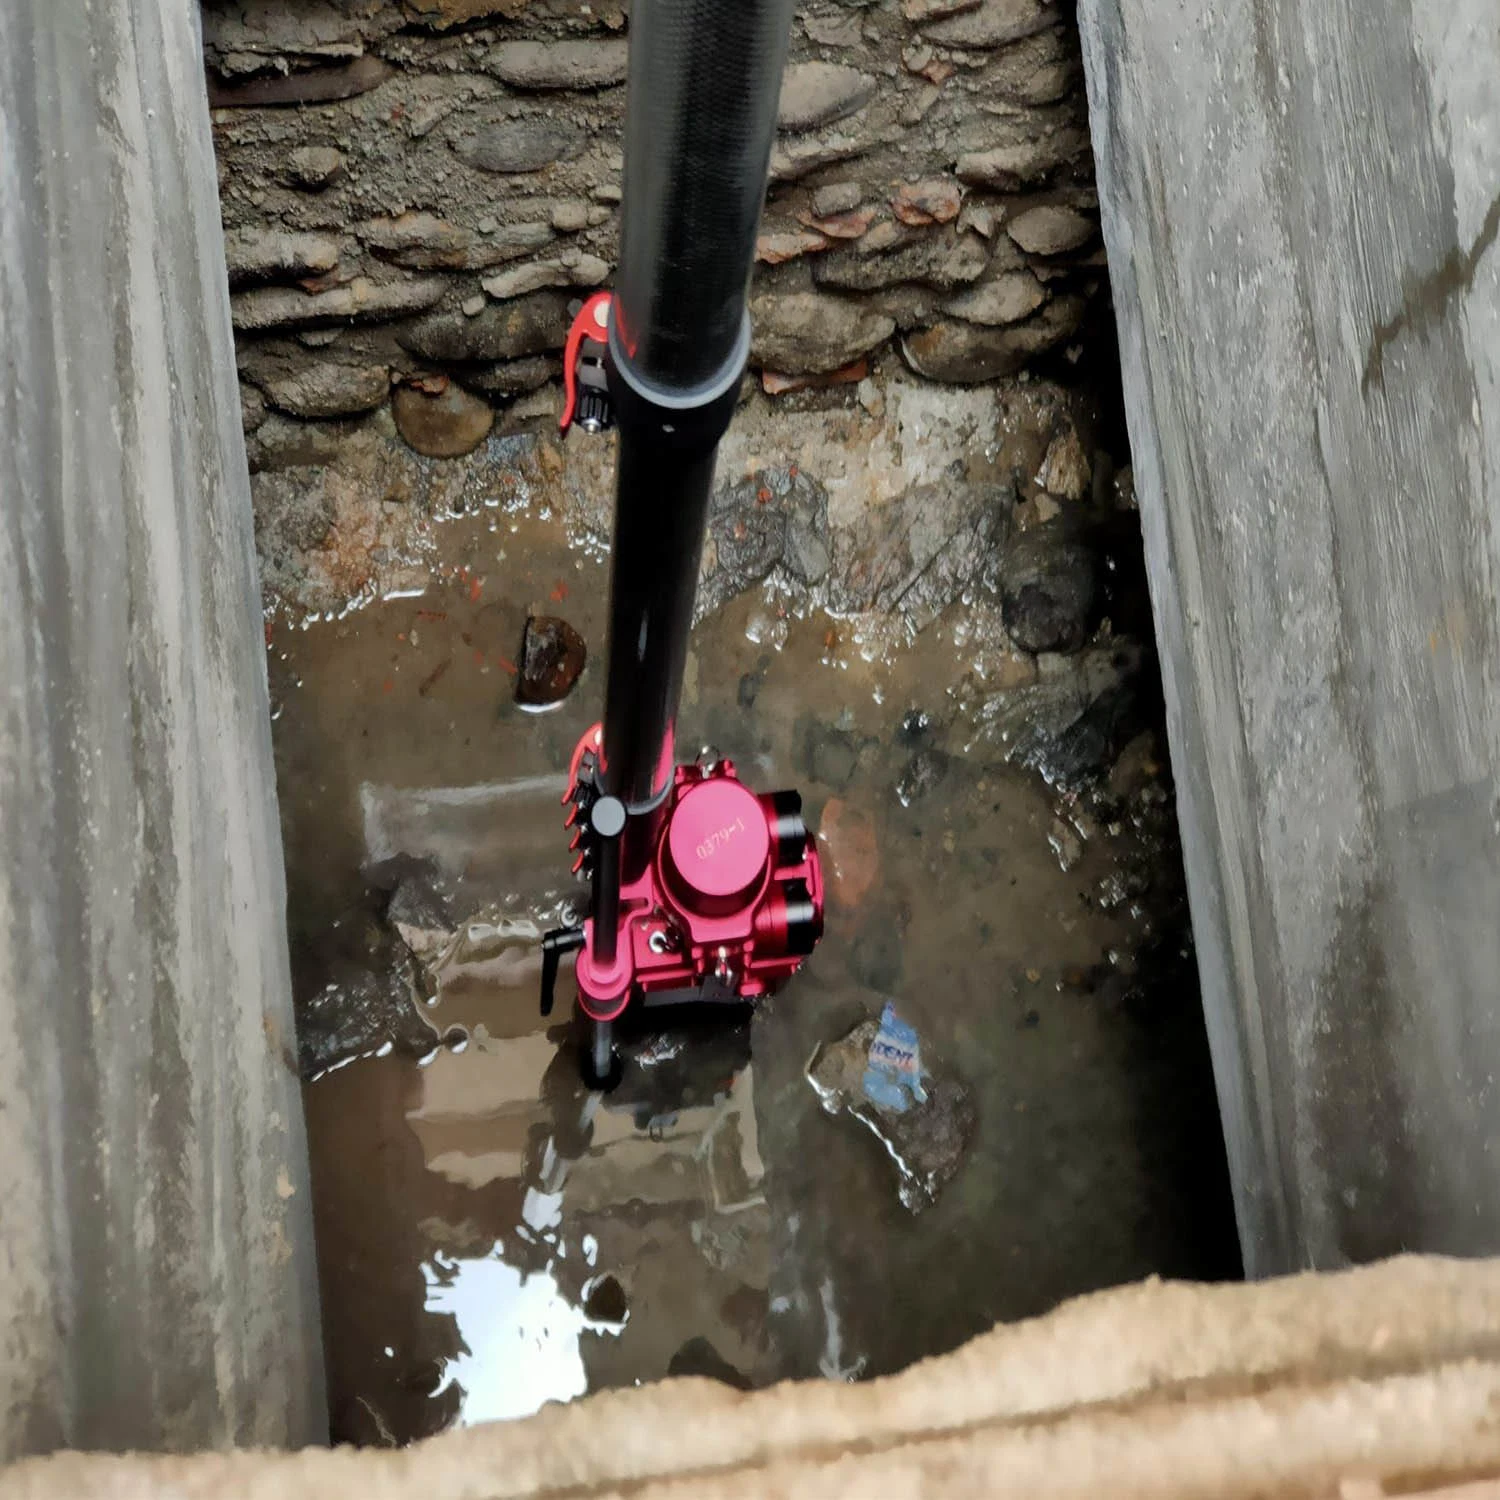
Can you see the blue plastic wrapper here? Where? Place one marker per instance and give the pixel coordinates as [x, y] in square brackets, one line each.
[893, 1075]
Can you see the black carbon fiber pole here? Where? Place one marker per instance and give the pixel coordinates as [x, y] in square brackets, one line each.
[700, 122]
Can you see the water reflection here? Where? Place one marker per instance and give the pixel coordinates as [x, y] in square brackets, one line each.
[520, 1336]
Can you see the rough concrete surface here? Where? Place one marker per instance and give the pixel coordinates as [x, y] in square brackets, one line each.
[156, 1269]
[1300, 208]
[1360, 1384]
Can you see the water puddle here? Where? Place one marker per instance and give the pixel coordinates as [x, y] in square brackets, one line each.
[492, 1236]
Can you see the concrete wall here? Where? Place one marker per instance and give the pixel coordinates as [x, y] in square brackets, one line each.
[1300, 207]
[156, 1269]
[1380, 1381]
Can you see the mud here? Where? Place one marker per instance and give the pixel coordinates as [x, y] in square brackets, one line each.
[491, 1235]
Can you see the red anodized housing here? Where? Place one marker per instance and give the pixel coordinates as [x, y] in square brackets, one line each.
[728, 906]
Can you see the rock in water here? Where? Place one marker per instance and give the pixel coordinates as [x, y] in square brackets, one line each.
[552, 656]
[1048, 586]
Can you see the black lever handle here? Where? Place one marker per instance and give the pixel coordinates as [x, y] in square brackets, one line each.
[554, 944]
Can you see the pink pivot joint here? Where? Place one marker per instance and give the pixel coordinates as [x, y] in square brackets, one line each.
[585, 382]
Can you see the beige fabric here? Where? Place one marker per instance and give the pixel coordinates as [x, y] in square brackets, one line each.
[1314, 1384]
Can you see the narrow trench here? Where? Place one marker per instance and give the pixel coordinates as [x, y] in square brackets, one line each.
[923, 605]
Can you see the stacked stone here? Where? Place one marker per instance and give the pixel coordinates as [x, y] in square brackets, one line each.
[417, 194]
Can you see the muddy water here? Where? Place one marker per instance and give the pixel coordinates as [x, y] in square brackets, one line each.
[492, 1236]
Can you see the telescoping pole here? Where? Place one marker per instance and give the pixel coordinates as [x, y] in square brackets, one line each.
[700, 121]
[704, 80]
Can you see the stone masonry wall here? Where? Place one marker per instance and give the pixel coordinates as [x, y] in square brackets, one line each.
[417, 195]
[415, 192]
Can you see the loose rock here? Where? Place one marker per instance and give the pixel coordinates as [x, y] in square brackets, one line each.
[919, 102]
[285, 443]
[314, 167]
[573, 269]
[746, 539]
[1051, 229]
[1042, 69]
[1048, 589]
[264, 254]
[836, 198]
[889, 234]
[1009, 298]
[329, 390]
[571, 215]
[806, 332]
[424, 242]
[527, 326]
[552, 657]
[1066, 470]
[934, 201]
[359, 1010]
[252, 408]
[845, 226]
[817, 93]
[804, 501]
[510, 378]
[945, 261]
[1073, 719]
[421, 912]
[517, 146]
[1021, 163]
[242, 40]
[779, 246]
[285, 307]
[924, 771]
[446, 425]
[993, 23]
[304, 86]
[779, 516]
[558, 65]
[791, 160]
[526, 413]
[1065, 844]
[980, 217]
[291, 518]
[965, 353]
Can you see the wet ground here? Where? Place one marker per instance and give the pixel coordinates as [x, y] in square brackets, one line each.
[491, 1235]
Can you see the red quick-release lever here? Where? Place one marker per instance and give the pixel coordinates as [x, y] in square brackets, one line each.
[592, 323]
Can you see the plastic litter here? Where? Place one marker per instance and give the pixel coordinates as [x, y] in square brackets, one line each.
[922, 1115]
